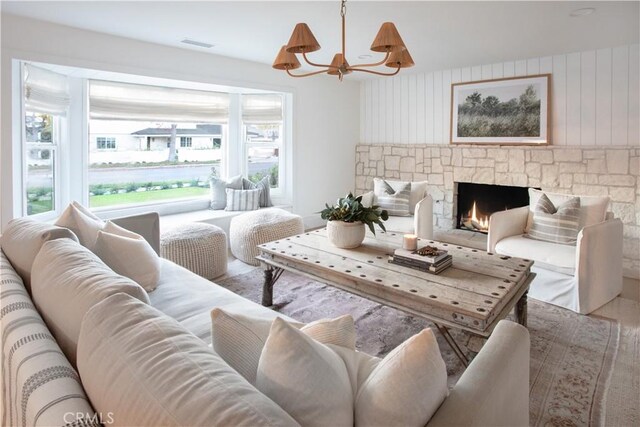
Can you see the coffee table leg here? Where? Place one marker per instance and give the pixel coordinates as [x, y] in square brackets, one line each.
[521, 310]
[453, 344]
[271, 276]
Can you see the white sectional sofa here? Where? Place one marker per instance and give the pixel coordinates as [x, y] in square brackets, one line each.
[145, 358]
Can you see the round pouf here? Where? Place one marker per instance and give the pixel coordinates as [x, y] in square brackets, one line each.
[251, 229]
[198, 247]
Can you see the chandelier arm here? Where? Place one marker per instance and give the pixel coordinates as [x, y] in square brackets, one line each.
[304, 55]
[307, 74]
[377, 72]
[374, 64]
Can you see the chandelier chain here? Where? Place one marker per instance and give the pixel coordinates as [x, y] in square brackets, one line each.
[343, 8]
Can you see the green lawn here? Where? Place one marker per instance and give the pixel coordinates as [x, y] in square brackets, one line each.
[146, 196]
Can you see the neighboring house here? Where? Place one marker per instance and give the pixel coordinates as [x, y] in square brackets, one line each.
[201, 137]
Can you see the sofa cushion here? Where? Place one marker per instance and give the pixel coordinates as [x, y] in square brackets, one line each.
[128, 254]
[239, 339]
[22, 240]
[148, 370]
[306, 378]
[40, 387]
[68, 280]
[556, 224]
[593, 209]
[189, 299]
[551, 256]
[409, 384]
[82, 222]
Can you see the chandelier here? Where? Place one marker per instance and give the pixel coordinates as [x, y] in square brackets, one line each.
[303, 41]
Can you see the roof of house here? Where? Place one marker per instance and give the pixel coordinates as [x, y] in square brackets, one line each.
[199, 130]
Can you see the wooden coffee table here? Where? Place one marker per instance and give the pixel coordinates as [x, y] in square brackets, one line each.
[476, 292]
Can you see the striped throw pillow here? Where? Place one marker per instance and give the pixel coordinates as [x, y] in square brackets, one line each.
[243, 200]
[265, 185]
[396, 203]
[556, 224]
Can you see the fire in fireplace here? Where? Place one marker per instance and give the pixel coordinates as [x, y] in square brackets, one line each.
[476, 203]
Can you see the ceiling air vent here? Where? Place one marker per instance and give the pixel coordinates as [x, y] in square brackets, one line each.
[197, 43]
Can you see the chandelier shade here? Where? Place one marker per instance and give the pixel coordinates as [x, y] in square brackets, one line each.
[286, 60]
[400, 59]
[302, 41]
[388, 39]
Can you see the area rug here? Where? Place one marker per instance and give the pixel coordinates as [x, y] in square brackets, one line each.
[572, 356]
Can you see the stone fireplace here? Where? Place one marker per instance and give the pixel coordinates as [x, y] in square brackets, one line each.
[612, 171]
[476, 202]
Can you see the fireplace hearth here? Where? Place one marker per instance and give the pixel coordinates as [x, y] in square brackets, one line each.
[476, 203]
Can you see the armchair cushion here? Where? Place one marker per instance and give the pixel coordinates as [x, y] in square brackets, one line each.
[551, 256]
[593, 209]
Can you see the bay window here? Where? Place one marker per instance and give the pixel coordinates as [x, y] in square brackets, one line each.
[143, 144]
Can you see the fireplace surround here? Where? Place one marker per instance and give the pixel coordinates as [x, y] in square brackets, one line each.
[476, 202]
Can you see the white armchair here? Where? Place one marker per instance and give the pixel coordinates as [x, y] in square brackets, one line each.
[581, 278]
[420, 223]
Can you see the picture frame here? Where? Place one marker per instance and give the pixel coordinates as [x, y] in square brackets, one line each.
[506, 111]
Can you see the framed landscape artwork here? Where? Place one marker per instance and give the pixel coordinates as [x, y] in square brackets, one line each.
[511, 111]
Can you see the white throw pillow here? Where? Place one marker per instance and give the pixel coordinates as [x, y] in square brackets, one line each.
[218, 187]
[145, 369]
[593, 209]
[83, 223]
[409, 384]
[22, 239]
[243, 200]
[67, 280]
[305, 378]
[418, 190]
[239, 339]
[128, 254]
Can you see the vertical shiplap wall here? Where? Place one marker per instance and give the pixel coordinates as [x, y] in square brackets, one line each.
[595, 99]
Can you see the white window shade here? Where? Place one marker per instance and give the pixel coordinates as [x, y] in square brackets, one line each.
[45, 91]
[125, 101]
[260, 108]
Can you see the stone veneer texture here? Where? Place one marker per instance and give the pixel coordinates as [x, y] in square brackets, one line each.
[612, 171]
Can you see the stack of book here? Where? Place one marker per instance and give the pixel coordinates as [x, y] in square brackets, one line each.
[432, 260]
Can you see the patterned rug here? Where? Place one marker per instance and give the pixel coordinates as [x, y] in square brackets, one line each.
[572, 356]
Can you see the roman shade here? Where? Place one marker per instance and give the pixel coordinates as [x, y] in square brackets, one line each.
[45, 91]
[126, 101]
[262, 108]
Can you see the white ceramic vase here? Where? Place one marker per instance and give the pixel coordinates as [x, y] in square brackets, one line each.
[345, 235]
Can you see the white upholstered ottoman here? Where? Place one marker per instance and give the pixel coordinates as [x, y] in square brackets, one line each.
[198, 247]
[251, 229]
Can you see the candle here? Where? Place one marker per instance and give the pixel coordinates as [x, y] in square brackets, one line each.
[410, 242]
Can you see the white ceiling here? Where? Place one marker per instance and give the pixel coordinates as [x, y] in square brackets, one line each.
[439, 35]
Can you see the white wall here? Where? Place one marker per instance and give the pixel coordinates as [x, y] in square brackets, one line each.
[325, 111]
[595, 99]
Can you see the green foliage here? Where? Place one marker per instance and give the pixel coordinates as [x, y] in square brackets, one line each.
[350, 209]
[488, 117]
[273, 172]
